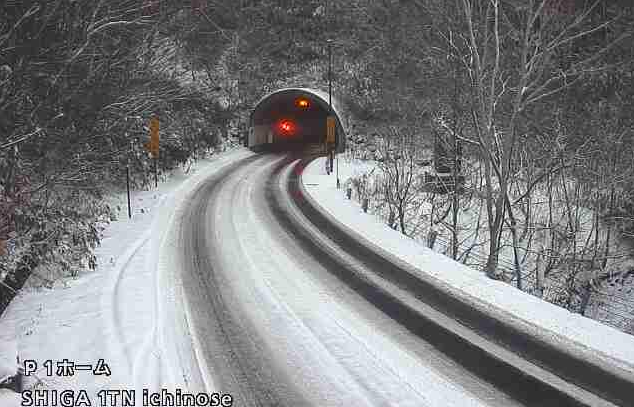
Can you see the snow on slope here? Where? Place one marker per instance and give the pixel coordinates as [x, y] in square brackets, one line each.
[8, 358]
[580, 335]
[112, 313]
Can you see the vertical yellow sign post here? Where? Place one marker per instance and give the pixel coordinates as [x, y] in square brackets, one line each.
[154, 137]
[154, 146]
[330, 139]
[330, 130]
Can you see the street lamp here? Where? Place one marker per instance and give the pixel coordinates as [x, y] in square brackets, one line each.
[329, 42]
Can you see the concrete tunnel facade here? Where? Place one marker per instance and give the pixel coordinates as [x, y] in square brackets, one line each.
[293, 118]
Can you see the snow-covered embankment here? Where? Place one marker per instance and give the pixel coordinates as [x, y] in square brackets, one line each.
[580, 336]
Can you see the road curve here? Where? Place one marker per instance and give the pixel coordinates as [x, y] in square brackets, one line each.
[286, 314]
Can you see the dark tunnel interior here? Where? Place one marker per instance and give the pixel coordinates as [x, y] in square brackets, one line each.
[290, 119]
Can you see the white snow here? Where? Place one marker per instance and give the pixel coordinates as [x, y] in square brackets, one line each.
[112, 313]
[9, 398]
[331, 343]
[8, 357]
[131, 313]
[579, 335]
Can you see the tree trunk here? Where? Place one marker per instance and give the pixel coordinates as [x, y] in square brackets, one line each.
[15, 281]
[585, 300]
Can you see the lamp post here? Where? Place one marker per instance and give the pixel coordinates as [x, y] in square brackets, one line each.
[333, 152]
[330, 112]
[329, 42]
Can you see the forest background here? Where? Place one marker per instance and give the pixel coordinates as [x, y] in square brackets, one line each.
[535, 98]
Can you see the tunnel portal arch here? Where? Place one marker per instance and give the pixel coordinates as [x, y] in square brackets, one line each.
[283, 111]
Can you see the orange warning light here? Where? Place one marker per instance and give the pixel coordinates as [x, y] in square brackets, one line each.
[303, 103]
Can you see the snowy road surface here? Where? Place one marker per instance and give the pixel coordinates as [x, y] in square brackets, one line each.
[278, 323]
[226, 280]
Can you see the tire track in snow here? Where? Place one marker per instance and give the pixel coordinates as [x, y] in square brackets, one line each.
[231, 298]
[361, 343]
[147, 366]
[112, 300]
[328, 343]
[175, 332]
[145, 360]
[310, 349]
[219, 338]
[307, 362]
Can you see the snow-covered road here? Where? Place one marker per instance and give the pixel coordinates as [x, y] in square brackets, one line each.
[276, 325]
[232, 280]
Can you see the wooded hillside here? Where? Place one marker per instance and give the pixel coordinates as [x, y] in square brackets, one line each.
[530, 90]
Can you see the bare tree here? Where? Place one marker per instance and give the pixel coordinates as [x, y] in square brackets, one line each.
[398, 153]
[510, 58]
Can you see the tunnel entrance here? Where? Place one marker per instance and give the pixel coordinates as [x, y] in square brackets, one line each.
[293, 119]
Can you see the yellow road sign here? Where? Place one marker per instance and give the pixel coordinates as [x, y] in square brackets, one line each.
[330, 129]
[154, 137]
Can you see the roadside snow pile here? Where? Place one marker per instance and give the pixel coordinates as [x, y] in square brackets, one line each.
[116, 313]
[8, 368]
[10, 398]
[581, 336]
[8, 356]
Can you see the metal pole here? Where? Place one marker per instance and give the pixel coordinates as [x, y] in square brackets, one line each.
[330, 95]
[337, 157]
[329, 41]
[127, 181]
[330, 104]
[330, 75]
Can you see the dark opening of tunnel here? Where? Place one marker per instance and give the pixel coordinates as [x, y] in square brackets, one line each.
[291, 119]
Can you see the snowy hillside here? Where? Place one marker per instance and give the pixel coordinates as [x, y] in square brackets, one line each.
[584, 336]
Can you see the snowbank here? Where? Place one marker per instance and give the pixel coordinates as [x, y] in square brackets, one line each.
[8, 356]
[581, 336]
[9, 398]
[118, 312]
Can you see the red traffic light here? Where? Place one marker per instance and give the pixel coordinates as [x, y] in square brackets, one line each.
[287, 127]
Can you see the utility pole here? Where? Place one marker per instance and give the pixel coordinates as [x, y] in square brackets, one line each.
[332, 150]
[336, 147]
[330, 153]
[127, 180]
[329, 75]
[456, 167]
